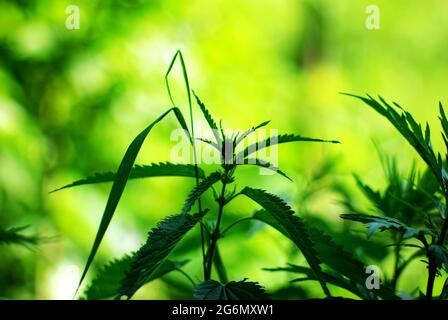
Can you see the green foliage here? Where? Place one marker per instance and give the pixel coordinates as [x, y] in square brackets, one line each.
[384, 223]
[283, 138]
[150, 261]
[15, 236]
[241, 290]
[150, 257]
[408, 205]
[289, 224]
[203, 186]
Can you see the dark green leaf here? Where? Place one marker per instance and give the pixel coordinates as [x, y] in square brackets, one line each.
[375, 223]
[289, 224]
[121, 178]
[203, 186]
[251, 130]
[410, 130]
[107, 282]
[241, 290]
[209, 119]
[160, 243]
[15, 236]
[165, 169]
[266, 165]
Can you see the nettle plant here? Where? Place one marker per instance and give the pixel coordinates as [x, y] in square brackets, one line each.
[122, 278]
[412, 208]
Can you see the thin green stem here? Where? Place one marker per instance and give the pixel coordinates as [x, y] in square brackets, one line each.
[233, 224]
[216, 233]
[187, 276]
[432, 267]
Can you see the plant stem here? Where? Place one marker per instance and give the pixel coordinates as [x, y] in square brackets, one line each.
[432, 267]
[216, 233]
[397, 262]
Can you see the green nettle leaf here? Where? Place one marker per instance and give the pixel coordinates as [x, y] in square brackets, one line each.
[290, 225]
[203, 186]
[107, 282]
[163, 169]
[375, 223]
[160, 243]
[208, 117]
[241, 290]
[410, 130]
[15, 236]
[121, 178]
[266, 165]
[283, 138]
[331, 278]
[343, 263]
[246, 133]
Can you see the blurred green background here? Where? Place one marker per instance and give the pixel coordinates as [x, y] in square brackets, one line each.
[72, 100]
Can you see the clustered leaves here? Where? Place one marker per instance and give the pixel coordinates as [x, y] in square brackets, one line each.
[413, 211]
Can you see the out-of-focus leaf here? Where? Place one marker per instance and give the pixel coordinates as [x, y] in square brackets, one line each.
[266, 165]
[15, 236]
[241, 290]
[375, 223]
[440, 255]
